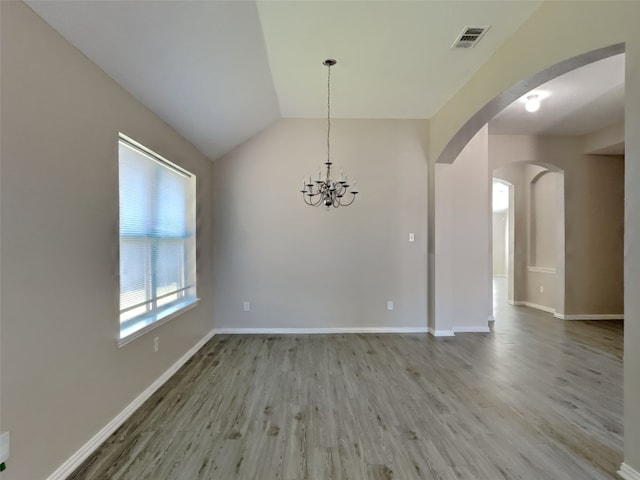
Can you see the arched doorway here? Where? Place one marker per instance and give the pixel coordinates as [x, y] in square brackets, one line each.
[528, 233]
[446, 127]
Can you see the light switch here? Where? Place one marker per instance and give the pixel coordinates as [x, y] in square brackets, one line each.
[412, 237]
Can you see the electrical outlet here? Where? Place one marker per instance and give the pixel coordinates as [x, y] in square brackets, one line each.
[156, 344]
[541, 289]
[4, 447]
[246, 306]
[412, 237]
[390, 305]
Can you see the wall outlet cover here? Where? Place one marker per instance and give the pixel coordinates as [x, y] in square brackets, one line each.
[4, 447]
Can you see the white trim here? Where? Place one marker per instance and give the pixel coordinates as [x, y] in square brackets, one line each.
[589, 316]
[544, 308]
[152, 326]
[476, 329]
[441, 333]
[147, 152]
[628, 473]
[73, 462]
[317, 330]
[515, 302]
[492, 318]
[541, 269]
[499, 274]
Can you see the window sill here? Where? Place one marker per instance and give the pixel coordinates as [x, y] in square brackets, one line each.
[164, 317]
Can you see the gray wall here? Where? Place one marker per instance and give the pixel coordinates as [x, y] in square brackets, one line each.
[545, 204]
[63, 376]
[462, 239]
[304, 267]
[632, 254]
[543, 221]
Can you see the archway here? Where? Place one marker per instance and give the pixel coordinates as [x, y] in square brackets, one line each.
[456, 144]
[446, 177]
[535, 265]
[543, 42]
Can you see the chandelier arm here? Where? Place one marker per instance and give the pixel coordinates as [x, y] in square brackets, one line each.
[353, 199]
[313, 203]
[304, 197]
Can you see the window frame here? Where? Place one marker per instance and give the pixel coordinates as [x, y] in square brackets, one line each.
[158, 315]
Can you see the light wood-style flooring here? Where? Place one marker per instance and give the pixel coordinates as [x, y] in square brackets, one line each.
[539, 398]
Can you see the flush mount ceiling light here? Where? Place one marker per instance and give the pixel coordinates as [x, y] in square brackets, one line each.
[325, 190]
[532, 104]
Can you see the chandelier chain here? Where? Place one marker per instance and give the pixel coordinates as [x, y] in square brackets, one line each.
[328, 114]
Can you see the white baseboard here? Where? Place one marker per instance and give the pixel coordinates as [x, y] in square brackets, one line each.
[441, 333]
[499, 274]
[476, 329]
[551, 271]
[315, 330]
[589, 316]
[628, 473]
[73, 462]
[515, 302]
[341, 330]
[454, 330]
[544, 308]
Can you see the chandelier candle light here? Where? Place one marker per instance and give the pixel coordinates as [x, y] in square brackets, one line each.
[327, 191]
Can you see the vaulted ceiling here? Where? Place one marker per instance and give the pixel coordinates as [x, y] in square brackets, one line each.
[219, 72]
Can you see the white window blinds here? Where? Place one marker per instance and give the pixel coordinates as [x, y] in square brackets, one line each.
[157, 237]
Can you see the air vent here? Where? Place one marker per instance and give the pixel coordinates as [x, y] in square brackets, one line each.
[470, 36]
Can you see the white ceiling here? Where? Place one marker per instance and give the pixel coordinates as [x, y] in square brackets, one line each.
[394, 57]
[576, 103]
[200, 66]
[220, 71]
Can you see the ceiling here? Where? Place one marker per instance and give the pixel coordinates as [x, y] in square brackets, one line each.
[200, 66]
[394, 57]
[219, 72]
[576, 103]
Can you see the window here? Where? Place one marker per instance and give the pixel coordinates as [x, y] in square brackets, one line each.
[157, 239]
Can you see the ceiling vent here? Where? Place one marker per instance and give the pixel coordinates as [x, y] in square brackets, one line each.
[470, 36]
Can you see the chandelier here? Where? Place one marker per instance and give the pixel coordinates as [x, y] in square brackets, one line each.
[327, 191]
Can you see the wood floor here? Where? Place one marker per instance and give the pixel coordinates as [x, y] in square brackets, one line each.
[539, 398]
